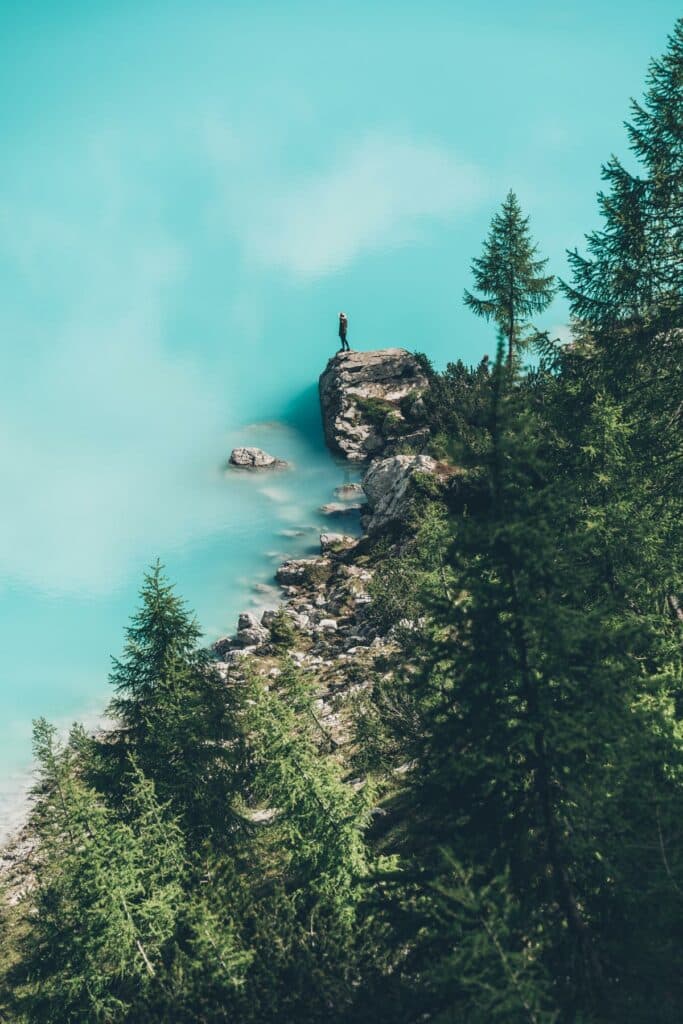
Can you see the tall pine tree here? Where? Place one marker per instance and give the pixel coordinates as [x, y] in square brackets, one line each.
[509, 275]
[174, 713]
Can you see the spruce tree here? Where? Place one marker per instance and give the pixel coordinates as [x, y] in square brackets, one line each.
[626, 293]
[174, 713]
[632, 278]
[107, 896]
[309, 858]
[543, 734]
[509, 275]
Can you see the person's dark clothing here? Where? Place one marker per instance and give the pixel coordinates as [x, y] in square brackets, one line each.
[343, 327]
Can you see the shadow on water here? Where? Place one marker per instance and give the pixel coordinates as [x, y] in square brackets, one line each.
[303, 413]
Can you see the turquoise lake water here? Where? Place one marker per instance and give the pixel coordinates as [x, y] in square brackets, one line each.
[234, 529]
[189, 195]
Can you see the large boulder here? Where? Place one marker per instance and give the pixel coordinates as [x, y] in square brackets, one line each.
[299, 572]
[360, 398]
[250, 632]
[389, 487]
[254, 458]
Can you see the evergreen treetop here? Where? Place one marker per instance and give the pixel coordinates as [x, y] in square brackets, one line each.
[509, 275]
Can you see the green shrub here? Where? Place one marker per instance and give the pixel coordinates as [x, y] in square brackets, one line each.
[282, 632]
[375, 410]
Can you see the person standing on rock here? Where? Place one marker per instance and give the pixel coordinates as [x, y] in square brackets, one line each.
[343, 328]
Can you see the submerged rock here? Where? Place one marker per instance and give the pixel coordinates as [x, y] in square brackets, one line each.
[297, 571]
[255, 458]
[360, 394]
[347, 492]
[338, 508]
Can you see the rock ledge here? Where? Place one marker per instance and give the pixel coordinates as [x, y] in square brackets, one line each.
[361, 395]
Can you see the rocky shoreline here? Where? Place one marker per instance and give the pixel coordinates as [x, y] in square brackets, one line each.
[324, 622]
[325, 615]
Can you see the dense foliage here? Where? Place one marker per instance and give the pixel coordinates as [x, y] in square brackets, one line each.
[501, 838]
[509, 275]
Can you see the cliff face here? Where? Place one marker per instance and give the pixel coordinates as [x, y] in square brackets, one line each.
[388, 486]
[363, 396]
[370, 404]
[365, 400]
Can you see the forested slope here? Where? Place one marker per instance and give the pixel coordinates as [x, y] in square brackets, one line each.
[488, 828]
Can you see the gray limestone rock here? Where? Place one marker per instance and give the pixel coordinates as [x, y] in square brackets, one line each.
[387, 485]
[358, 391]
[336, 542]
[297, 571]
[254, 458]
[338, 508]
[222, 646]
[347, 492]
[250, 632]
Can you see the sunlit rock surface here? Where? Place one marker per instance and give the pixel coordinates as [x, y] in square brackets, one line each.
[254, 458]
[362, 396]
[388, 486]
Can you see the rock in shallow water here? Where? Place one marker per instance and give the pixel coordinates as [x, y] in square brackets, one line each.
[338, 508]
[297, 571]
[347, 492]
[255, 458]
[250, 632]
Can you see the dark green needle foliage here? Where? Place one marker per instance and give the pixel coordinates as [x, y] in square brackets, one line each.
[626, 294]
[108, 895]
[510, 278]
[171, 712]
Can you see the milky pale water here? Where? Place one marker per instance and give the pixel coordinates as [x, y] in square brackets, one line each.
[56, 645]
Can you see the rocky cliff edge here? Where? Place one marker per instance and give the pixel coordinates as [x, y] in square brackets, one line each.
[366, 400]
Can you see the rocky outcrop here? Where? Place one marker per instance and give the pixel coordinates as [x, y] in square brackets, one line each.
[349, 492]
[297, 571]
[389, 487]
[338, 643]
[339, 508]
[250, 632]
[363, 398]
[254, 458]
[336, 542]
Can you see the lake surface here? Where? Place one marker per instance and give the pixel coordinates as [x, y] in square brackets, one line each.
[233, 531]
[189, 194]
